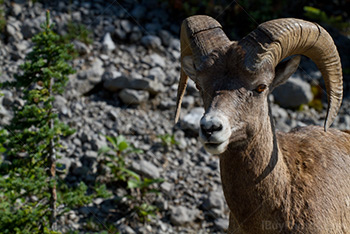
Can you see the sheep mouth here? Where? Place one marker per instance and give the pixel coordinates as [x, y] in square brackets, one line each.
[215, 148]
[212, 145]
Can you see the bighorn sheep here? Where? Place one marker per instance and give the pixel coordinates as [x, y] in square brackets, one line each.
[273, 182]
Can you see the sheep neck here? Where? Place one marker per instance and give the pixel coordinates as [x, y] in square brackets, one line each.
[254, 178]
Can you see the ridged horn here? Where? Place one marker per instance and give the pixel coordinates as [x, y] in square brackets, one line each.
[275, 40]
[199, 36]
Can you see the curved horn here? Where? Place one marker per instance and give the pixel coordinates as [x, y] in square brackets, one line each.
[277, 39]
[199, 36]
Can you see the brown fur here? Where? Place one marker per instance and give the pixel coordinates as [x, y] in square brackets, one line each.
[296, 182]
[306, 191]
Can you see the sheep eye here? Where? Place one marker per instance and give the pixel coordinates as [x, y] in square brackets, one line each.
[260, 88]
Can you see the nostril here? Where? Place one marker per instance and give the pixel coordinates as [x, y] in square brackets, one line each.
[209, 129]
[217, 127]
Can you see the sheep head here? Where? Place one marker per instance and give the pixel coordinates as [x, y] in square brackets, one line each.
[235, 78]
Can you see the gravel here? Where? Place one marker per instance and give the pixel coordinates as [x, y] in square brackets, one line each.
[126, 84]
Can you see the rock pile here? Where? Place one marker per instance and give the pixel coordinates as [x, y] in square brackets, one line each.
[126, 84]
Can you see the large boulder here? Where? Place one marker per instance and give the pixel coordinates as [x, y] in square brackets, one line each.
[293, 93]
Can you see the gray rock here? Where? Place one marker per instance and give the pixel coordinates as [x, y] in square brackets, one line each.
[5, 116]
[88, 210]
[65, 164]
[85, 136]
[113, 115]
[181, 215]
[191, 120]
[163, 226]
[61, 104]
[107, 42]
[153, 27]
[76, 16]
[126, 25]
[138, 12]
[167, 104]
[279, 112]
[158, 73]
[81, 47]
[22, 45]
[221, 224]
[175, 28]
[152, 86]
[188, 101]
[179, 136]
[167, 188]
[93, 74]
[146, 168]
[72, 216]
[214, 200]
[136, 34]
[345, 119]
[109, 75]
[7, 99]
[151, 41]
[80, 171]
[77, 142]
[121, 82]
[97, 68]
[175, 44]
[165, 36]
[79, 86]
[131, 96]
[30, 27]
[282, 126]
[157, 60]
[98, 143]
[120, 34]
[11, 30]
[293, 93]
[126, 229]
[16, 9]
[91, 154]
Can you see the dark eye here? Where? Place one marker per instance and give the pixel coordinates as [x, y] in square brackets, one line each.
[260, 88]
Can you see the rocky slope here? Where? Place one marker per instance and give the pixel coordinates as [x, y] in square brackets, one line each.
[126, 84]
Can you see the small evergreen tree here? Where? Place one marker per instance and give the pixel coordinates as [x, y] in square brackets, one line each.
[28, 196]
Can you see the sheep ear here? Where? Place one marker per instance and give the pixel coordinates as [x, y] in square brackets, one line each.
[284, 70]
[188, 67]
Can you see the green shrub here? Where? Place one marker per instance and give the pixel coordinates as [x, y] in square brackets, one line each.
[30, 190]
[138, 187]
[2, 16]
[321, 16]
[77, 31]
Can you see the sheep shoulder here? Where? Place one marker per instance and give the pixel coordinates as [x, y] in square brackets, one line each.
[319, 169]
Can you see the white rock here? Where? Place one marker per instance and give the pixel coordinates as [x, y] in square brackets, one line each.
[182, 215]
[146, 168]
[107, 42]
[157, 60]
[158, 73]
[191, 120]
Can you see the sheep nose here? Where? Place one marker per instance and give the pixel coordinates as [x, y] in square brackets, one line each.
[210, 125]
